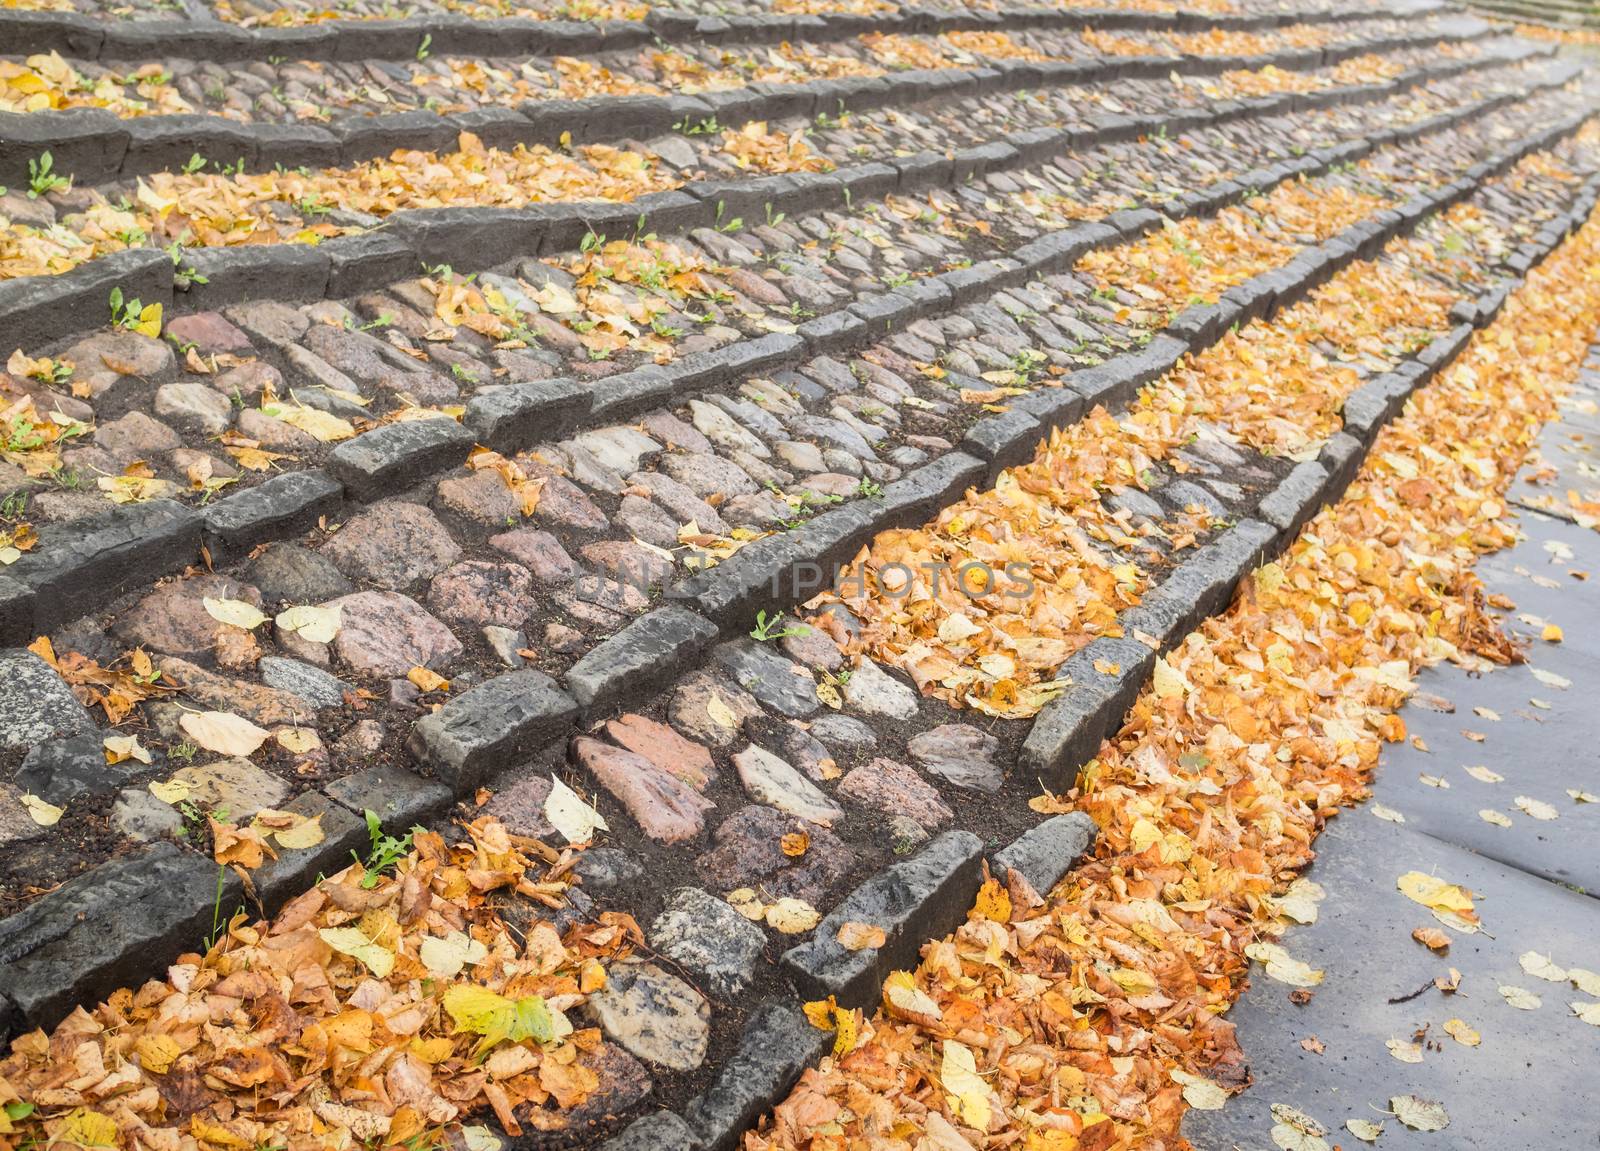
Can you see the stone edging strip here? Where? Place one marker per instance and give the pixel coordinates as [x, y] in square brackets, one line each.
[85, 38]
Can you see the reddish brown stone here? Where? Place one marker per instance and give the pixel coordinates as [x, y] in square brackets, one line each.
[266, 706]
[539, 551]
[895, 789]
[479, 593]
[665, 748]
[173, 618]
[383, 633]
[665, 808]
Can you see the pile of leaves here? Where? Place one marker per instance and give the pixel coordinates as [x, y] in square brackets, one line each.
[829, 7]
[1202, 7]
[301, 15]
[755, 147]
[34, 441]
[1212, 42]
[381, 1007]
[1584, 37]
[1200, 257]
[214, 209]
[46, 82]
[1280, 387]
[982, 604]
[116, 690]
[1089, 1020]
[778, 64]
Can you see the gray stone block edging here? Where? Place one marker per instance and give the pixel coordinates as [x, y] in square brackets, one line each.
[110, 927]
[38, 309]
[84, 37]
[498, 722]
[285, 505]
[1044, 854]
[913, 900]
[396, 456]
[81, 564]
[644, 656]
[777, 1046]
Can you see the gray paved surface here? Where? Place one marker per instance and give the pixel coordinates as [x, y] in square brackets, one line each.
[1533, 1081]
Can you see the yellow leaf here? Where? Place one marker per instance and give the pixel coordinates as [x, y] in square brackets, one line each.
[747, 904]
[350, 941]
[1404, 1051]
[156, 1052]
[306, 833]
[1541, 967]
[570, 815]
[1419, 1114]
[223, 732]
[135, 489]
[297, 740]
[1200, 1093]
[318, 424]
[1551, 634]
[721, 714]
[792, 916]
[1520, 998]
[967, 1094]
[854, 936]
[1134, 981]
[900, 992]
[235, 612]
[1537, 808]
[430, 1051]
[123, 747]
[42, 813]
[1364, 1129]
[216, 1134]
[445, 957]
[149, 321]
[1283, 967]
[1168, 682]
[1433, 892]
[1144, 835]
[1461, 1033]
[426, 680]
[313, 624]
[86, 1128]
[993, 902]
[173, 791]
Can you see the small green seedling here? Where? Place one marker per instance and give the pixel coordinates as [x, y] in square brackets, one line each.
[386, 851]
[770, 629]
[43, 179]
